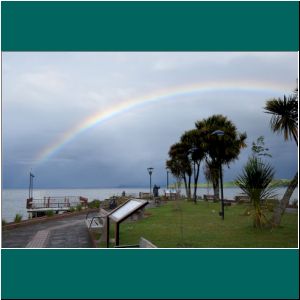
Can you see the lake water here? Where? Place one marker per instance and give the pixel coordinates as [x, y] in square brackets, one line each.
[14, 200]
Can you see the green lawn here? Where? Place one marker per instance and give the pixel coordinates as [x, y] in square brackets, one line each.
[185, 224]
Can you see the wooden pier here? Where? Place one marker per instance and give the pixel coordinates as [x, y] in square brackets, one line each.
[39, 207]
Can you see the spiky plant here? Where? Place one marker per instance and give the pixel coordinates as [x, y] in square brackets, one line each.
[284, 116]
[284, 120]
[255, 182]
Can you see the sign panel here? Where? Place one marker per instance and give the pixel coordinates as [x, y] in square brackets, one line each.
[127, 209]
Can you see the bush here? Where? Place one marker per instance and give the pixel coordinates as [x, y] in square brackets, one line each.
[3, 222]
[79, 207]
[94, 204]
[72, 209]
[18, 218]
[49, 213]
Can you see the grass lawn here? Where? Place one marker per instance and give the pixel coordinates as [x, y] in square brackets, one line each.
[182, 224]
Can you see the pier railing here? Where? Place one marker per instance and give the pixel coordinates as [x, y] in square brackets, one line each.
[56, 202]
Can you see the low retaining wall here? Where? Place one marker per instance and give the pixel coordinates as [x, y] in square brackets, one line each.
[45, 219]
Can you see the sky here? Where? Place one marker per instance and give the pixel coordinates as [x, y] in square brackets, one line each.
[100, 119]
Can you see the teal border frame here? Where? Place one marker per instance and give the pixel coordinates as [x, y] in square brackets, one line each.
[150, 26]
[156, 273]
[150, 274]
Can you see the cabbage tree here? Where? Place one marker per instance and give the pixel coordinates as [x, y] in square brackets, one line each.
[255, 181]
[284, 119]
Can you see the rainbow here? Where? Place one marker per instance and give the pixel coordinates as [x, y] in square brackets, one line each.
[112, 112]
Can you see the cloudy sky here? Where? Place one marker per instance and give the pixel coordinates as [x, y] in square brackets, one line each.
[49, 100]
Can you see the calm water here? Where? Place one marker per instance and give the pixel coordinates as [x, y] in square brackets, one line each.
[14, 200]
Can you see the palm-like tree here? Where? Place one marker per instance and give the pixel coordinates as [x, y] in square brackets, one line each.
[284, 116]
[179, 164]
[211, 174]
[284, 120]
[224, 149]
[196, 153]
[255, 182]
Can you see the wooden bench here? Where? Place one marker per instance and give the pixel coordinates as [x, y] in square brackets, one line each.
[210, 198]
[172, 194]
[143, 195]
[143, 243]
[242, 199]
[229, 202]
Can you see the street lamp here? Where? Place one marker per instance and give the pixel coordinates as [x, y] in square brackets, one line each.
[221, 213]
[150, 170]
[31, 176]
[167, 178]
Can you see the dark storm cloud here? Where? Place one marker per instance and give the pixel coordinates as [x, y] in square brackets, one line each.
[46, 94]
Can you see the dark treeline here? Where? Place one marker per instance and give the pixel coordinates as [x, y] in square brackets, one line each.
[213, 142]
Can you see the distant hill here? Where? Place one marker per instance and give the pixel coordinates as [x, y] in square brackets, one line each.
[281, 182]
[231, 184]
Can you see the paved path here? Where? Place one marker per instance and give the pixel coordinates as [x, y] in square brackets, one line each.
[39, 240]
[69, 232]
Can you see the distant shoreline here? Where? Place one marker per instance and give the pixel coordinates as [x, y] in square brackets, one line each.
[231, 184]
[228, 184]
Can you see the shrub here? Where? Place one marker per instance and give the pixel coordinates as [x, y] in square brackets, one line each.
[18, 218]
[79, 207]
[94, 204]
[72, 209]
[49, 213]
[3, 222]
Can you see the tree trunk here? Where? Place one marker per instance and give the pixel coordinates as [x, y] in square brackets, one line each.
[186, 186]
[214, 175]
[189, 187]
[280, 209]
[196, 182]
[216, 188]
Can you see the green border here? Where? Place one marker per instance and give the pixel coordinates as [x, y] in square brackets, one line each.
[146, 26]
[139, 274]
[150, 26]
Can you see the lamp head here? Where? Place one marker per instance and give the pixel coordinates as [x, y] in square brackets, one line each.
[218, 132]
[150, 170]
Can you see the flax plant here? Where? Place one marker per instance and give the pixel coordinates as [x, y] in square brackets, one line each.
[255, 182]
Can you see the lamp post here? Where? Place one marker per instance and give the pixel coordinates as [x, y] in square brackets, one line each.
[150, 170]
[190, 153]
[167, 178]
[31, 176]
[221, 213]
